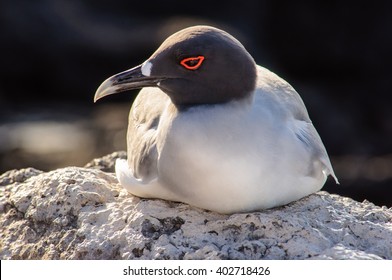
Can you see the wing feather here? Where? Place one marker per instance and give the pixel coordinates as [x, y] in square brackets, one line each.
[144, 119]
[288, 105]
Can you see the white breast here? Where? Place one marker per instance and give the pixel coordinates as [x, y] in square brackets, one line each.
[236, 157]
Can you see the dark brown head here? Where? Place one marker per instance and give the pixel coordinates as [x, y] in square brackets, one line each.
[197, 65]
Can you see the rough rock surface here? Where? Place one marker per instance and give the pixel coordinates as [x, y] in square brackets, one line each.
[82, 213]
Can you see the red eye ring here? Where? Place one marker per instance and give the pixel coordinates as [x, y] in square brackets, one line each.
[188, 63]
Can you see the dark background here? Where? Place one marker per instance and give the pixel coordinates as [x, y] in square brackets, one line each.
[55, 53]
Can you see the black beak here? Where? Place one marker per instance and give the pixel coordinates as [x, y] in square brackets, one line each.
[127, 80]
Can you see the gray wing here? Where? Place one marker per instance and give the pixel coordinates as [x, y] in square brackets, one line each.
[280, 95]
[309, 136]
[144, 118]
[289, 105]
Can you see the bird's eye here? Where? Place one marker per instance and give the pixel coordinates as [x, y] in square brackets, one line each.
[192, 63]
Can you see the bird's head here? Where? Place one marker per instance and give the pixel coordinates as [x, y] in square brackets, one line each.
[197, 65]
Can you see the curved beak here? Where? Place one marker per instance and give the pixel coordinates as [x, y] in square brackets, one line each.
[127, 80]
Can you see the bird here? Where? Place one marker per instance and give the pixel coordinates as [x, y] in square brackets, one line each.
[212, 129]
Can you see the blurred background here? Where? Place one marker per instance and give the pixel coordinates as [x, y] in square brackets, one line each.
[55, 53]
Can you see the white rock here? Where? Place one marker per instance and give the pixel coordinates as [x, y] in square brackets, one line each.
[80, 213]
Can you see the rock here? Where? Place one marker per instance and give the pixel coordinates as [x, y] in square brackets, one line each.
[83, 213]
[106, 163]
[18, 176]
